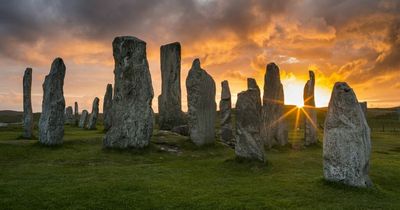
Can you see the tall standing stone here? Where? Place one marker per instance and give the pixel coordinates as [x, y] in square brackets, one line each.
[225, 107]
[28, 114]
[84, 118]
[169, 102]
[107, 105]
[200, 88]
[51, 123]
[347, 143]
[364, 108]
[252, 84]
[132, 115]
[274, 130]
[94, 115]
[310, 119]
[69, 116]
[76, 113]
[249, 144]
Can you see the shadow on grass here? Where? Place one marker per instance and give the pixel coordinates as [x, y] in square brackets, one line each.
[347, 188]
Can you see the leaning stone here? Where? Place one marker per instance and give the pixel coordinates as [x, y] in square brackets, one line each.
[347, 143]
[69, 116]
[107, 105]
[94, 115]
[274, 130]
[201, 105]
[84, 118]
[51, 123]
[132, 115]
[248, 126]
[310, 120]
[28, 114]
[225, 106]
[169, 102]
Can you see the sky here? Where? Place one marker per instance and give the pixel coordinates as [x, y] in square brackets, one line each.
[356, 41]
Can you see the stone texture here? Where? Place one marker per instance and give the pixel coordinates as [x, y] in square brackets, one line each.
[347, 143]
[225, 109]
[84, 118]
[181, 129]
[94, 115]
[132, 115]
[274, 130]
[27, 103]
[200, 88]
[364, 108]
[310, 118]
[76, 113]
[69, 116]
[252, 84]
[249, 144]
[107, 106]
[51, 123]
[169, 102]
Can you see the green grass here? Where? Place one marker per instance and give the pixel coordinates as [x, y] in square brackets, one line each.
[82, 175]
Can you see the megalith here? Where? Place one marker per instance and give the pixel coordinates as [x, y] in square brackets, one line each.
[27, 103]
[84, 118]
[225, 109]
[69, 116]
[310, 113]
[107, 105]
[94, 115]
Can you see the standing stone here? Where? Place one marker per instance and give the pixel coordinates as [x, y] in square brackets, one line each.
[51, 123]
[200, 88]
[274, 130]
[225, 106]
[252, 84]
[169, 102]
[248, 126]
[94, 115]
[364, 108]
[28, 114]
[69, 116]
[76, 113]
[132, 115]
[347, 143]
[107, 104]
[310, 119]
[84, 119]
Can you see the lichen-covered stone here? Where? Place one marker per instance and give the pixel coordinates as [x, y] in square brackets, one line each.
[225, 109]
[84, 118]
[347, 143]
[169, 102]
[28, 114]
[201, 105]
[132, 114]
[51, 123]
[364, 108]
[107, 106]
[274, 130]
[69, 116]
[310, 118]
[94, 115]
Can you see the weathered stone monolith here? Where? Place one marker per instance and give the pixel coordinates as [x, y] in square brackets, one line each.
[169, 102]
[364, 108]
[69, 116]
[274, 131]
[132, 114]
[76, 114]
[225, 108]
[107, 105]
[51, 123]
[94, 115]
[84, 118]
[347, 143]
[28, 114]
[249, 144]
[200, 88]
[310, 113]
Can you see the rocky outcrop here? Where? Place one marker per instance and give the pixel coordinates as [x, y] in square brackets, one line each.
[51, 123]
[28, 114]
[94, 115]
[69, 116]
[107, 106]
[310, 118]
[225, 109]
[169, 102]
[84, 118]
[274, 130]
[200, 88]
[347, 143]
[132, 114]
[248, 126]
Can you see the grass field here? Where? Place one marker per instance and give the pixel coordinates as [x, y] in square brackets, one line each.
[172, 173]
